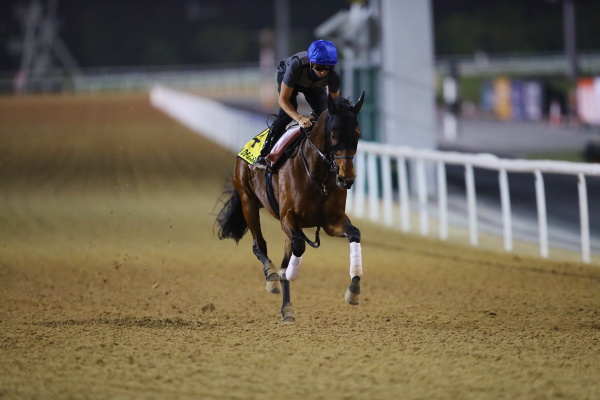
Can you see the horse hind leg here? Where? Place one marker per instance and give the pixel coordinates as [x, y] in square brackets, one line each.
[271, 275]
[259, 246]
[273, 279]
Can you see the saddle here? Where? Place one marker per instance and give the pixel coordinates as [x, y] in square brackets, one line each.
[285, 145]
[288, 142]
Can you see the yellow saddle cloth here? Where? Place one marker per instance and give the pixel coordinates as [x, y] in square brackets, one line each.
[251, 150]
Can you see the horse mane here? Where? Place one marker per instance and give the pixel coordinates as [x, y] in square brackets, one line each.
[343, 102]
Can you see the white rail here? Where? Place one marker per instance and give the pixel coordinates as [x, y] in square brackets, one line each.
[233, 128]
[370, 151]
[229, 127]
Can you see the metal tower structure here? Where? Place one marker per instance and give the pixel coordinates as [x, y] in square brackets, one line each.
[44, 56]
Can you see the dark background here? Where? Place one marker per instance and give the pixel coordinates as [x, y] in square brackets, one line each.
[114, 33]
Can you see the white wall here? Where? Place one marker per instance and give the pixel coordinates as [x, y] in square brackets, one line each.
[408, 75]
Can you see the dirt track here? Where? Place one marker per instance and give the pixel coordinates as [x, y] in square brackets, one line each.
[113, 285]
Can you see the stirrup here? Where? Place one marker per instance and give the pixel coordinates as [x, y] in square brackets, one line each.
[261, 163]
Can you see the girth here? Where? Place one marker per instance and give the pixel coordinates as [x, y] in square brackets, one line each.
[271, 194]
[275, 207]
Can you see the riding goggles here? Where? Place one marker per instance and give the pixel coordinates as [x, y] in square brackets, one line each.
[320, 68]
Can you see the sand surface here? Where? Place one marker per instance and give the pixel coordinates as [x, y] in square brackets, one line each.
[114, 285]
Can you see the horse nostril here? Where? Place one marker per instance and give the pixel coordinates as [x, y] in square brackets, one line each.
[344, 183]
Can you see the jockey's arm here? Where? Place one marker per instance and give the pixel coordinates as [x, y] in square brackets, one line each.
[285, 93]
[334, 95]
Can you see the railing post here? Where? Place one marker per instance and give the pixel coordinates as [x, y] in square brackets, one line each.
[506, 209]
[359, 186]
[584, 219]
[541, 209]
[442, 200]
[422, 195]
[373, 187]
[404, 197]
[386, 177]
[350, 195]
[471, 204]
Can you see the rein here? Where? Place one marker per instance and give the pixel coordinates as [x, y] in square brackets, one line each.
[327, 158]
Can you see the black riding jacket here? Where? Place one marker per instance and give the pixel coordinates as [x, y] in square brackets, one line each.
[296, 73]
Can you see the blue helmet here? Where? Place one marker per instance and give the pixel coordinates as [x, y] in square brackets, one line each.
[322, 52]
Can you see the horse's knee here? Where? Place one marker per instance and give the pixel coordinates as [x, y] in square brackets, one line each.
[298, 245]
[293, 266]
[352, 233]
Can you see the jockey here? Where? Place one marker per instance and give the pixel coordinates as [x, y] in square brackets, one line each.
[308, 72]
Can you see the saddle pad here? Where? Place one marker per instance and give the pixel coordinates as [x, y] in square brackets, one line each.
[251, 150]
[282, 144]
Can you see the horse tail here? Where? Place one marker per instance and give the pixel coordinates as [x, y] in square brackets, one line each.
[231, 221]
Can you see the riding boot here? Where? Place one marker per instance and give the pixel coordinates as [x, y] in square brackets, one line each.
[261, 162]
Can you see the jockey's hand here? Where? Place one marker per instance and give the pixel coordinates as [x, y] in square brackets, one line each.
[304, 122]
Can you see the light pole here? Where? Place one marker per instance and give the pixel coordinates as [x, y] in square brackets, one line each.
[569, 31]
[282, 28]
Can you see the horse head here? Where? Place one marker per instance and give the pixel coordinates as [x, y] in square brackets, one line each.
[342, 134]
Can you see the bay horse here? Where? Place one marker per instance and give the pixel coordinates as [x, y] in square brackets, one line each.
[307, 190]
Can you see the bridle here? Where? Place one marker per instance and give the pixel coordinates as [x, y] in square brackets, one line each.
[328, 159]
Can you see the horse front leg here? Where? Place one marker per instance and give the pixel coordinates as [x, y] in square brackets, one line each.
[356, 272]
[345, 228]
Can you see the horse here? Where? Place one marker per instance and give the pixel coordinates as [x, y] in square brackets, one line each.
[306, 190]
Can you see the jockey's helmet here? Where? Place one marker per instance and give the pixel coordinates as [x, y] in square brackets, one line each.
[322, 52]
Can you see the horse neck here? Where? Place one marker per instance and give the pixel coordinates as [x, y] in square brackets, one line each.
[317, 134]
[317, 166]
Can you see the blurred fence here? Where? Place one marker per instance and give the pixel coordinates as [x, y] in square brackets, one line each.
[520, 64]
[377, 163]
[231, 77]
[225, 79]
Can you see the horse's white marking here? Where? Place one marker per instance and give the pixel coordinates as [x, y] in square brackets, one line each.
[293, 268]
[355, 260]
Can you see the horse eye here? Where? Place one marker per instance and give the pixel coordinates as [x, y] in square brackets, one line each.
[334, 135]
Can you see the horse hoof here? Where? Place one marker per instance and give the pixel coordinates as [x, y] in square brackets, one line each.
[351, 298]
[287, 315]
[273, 285]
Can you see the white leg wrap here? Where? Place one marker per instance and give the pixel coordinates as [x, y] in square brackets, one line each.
[293, 268]
[355, 260]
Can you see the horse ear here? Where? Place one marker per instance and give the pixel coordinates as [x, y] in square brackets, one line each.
[331, 105]
[357, 106]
